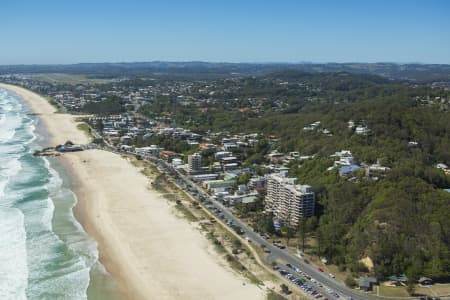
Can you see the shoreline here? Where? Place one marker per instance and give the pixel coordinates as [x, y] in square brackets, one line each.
[150, 252]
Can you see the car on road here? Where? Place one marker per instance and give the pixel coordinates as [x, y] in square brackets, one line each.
[320, 269]
[331, 275]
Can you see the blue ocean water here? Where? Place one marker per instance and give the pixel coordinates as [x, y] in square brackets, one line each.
[44, 252]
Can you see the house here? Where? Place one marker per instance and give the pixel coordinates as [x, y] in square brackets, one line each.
[205, 177]
[230, 166]
[425, 281]
[236, 199]
[347, 170]
[229, 160]
[229, 146]
[398, 278]
[168, 155]
[126, 140]
[242, 144]
[441, 166]
[343, 153]
[362, 130]
[176, 162]
[152, 150]
[351, 124]
[222, 154]
[327, 132]
[275, 155]
[366, 283]
[294, 154]
[258, 183]
[147, 136]
[242, 189]
[206, 146]
[219, 185]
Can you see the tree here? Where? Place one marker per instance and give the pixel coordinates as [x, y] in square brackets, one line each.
[350, 281]
[264, 223]
[290, 233]
[237, 243]
[284, 289]
[99, 125]
[244, 178]
[411, 288]
[302, 233]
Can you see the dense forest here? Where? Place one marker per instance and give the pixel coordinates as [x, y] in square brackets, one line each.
[401, 220]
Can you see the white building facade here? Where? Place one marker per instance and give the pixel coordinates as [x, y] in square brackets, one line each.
[194, 163]
[287, 200]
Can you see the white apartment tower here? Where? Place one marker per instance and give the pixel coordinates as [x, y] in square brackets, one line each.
[194, 163]
[287, 200]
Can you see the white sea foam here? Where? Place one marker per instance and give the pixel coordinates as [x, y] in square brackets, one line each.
[13, 256]
[9, 168]
[8, 128]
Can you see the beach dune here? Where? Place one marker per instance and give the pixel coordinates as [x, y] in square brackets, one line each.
[151, 253]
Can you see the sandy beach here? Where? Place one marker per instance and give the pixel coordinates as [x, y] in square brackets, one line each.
[151, 253]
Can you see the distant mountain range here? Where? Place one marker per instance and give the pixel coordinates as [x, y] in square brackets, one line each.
[411, 72]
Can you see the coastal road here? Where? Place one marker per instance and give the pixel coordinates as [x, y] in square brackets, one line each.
[276, 253]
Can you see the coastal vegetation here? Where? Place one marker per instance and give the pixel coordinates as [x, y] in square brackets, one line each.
[110, 106]
[85, 128]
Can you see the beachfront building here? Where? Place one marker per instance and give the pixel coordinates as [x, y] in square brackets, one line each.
[194, 163]
[287, 200]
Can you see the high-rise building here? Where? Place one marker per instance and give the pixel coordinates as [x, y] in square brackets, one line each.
[287, 200]
[194, 163]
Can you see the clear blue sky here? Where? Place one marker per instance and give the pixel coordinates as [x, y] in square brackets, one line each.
[71, 31]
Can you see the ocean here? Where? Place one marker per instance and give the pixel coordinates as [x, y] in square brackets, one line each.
[44, 251]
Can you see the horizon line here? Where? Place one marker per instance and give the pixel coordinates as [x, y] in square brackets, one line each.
[222, 62]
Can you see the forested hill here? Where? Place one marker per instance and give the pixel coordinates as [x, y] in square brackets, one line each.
[401, 220]
[423, 73]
